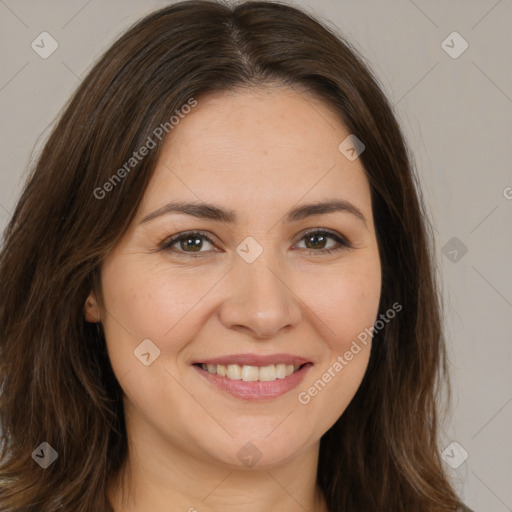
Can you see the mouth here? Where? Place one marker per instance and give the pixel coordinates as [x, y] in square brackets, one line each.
[249, 373]
[253, 381]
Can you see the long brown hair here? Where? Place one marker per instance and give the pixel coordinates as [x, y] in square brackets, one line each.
[57, 384]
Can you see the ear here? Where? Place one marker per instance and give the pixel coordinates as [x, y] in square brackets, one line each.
[91, 309]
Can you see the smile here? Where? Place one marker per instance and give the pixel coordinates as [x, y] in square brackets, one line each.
[251, 373]
[253, 383]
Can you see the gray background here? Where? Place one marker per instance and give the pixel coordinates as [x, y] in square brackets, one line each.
[456, 113]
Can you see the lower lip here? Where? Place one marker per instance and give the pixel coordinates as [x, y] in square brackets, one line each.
[256, 390]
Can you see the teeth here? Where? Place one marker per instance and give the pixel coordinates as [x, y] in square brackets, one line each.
[267, 373]
[281, 371]
[251, 373]
[234, 372]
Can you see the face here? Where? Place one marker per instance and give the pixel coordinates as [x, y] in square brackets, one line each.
[262, 286]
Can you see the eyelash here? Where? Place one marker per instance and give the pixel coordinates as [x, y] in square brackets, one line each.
[342, 242]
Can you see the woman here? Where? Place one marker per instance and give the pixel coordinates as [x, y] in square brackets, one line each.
[217, 284]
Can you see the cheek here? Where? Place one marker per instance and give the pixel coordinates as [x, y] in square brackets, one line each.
[346, 307]
[326, 396]
[150, 300]
[345, 301]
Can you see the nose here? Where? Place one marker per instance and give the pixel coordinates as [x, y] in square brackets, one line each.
[259, 300]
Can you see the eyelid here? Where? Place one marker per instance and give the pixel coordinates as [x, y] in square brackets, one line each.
[334, 234]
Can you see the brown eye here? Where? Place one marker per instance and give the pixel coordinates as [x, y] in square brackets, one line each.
[316, 242]
[191, 242]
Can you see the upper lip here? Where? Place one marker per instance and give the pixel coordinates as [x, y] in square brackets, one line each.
[255, 360]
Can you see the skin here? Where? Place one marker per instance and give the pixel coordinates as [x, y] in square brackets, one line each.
[183, 433]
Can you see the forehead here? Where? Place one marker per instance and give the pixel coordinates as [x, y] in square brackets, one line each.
[253, 122]
[270, 144]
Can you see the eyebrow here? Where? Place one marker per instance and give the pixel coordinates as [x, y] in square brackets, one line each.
[210, 211]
